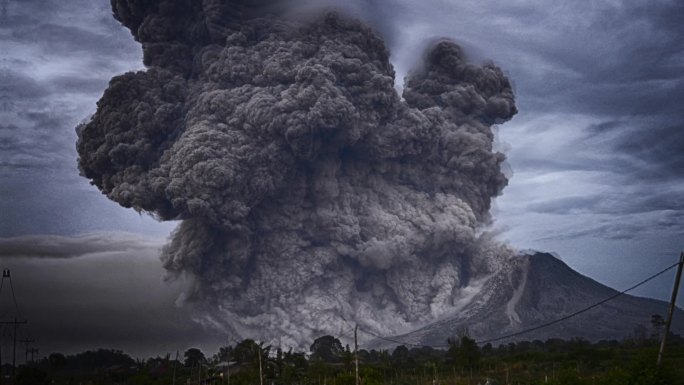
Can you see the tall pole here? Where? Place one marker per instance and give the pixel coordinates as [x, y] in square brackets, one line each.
[5, 274]
[356, 354]
[175, 363]
[675, 290]
[26, 342]
[14, 347]
[32, 351]
[261, 373]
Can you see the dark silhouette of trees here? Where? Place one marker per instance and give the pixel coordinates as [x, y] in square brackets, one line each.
[57, 360]
[658, 323]
[31, 376]
[224, 354]
[553, 361]
[327, 349]
[193, 357]
[464, 353]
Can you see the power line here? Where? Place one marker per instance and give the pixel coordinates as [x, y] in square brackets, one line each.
[400, 342]
[564, 318]
[6, 274]
[347, 333]
[16, 305]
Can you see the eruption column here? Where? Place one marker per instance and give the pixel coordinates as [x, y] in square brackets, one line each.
[307, 189]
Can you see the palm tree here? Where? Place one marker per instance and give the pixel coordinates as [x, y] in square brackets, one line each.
[254, 355]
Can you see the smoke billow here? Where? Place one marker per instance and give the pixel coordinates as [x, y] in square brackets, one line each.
[309, 191]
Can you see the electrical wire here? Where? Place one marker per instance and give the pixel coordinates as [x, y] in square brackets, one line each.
[400, 342]
[16, 305]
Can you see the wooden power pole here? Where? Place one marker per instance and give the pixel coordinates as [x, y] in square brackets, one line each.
[26, 342]
[261, 370]
[175, 363]
[356, 354]
[16, 323]
[673, 301]
[33, 351]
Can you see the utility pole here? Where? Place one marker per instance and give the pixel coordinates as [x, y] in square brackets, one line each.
[675, 290]
[356, 354]
[175, 363]
[32, 351]
[16, 323]
[228, 371]
[261, 372]
[26, 342]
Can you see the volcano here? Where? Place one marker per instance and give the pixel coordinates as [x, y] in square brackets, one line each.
[534, 289]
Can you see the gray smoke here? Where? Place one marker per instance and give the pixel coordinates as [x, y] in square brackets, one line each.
[309, 191]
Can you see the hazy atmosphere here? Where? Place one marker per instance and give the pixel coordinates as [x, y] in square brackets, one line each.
[584, 100]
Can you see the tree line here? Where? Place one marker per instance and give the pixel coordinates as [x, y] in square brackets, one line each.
[329, 362]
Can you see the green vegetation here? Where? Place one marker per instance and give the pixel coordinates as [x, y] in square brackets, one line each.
[328, 362]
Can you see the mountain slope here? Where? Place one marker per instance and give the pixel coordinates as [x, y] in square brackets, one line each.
[538, 288]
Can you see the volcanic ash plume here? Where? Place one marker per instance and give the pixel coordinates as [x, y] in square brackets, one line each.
[309, 191]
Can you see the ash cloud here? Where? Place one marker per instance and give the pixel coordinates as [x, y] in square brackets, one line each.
[309, 191]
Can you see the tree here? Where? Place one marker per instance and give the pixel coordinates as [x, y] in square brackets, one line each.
[327, 348]
[400, 355]
[224, 354]
[101, 358]
[193, 357]
[640, 335]
[31, 376]
[57, 360]
[488, 349]
[247, 352]
[464, 352]
[254, 356]
[658, 323]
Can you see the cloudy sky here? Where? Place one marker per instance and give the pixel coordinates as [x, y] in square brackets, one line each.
[596, 152]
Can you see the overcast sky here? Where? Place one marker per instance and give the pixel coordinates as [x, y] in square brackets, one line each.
[596, 151]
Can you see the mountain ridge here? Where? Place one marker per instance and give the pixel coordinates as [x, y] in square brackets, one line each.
[534, 289]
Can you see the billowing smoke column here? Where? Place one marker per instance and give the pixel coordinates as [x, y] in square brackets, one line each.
[310, 193]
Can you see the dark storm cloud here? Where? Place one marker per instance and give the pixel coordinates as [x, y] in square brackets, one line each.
[19, 86]
[51, 71]
[45, 202]
[602, 85]
[55, 246]
[566, 205]
[36, 111]
[657, 150]
[309, 191]
[634, 72]
[56, 39]
[612, 203]
[631, 227]
[32, 143]
[76, 84]
[56, 57]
